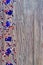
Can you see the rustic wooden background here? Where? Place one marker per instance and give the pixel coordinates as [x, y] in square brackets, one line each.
[29, 32]
[29, 27]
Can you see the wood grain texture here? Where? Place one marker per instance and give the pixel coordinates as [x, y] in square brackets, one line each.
[24, 36]
[29, 16]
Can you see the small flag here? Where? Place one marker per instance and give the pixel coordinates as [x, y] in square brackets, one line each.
[8, 51]
[9, 12]
[8, 39]
[7, 23]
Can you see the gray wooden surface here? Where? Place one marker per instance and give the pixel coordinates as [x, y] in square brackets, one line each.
[29, 21]
[29, 32]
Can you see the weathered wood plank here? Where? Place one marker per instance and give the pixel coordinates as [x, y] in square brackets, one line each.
[24, 36]
[30, 11]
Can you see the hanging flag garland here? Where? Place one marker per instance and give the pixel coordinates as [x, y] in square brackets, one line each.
[8, 37]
